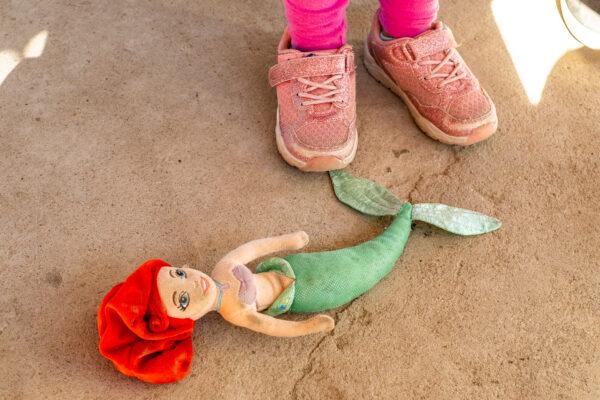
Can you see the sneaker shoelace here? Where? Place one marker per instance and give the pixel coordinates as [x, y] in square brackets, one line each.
[330, 96]
[456, 74]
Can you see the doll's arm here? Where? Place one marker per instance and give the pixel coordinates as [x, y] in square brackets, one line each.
[261, 247]
[278, 327]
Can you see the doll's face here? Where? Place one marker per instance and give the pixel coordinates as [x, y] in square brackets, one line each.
[186, 292]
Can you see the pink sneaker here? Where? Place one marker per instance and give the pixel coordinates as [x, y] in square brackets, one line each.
[441, 93]
[316, 114]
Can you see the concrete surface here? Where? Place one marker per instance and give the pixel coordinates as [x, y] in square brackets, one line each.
[146, 130]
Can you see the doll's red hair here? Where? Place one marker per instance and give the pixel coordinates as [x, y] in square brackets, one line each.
[138, 336]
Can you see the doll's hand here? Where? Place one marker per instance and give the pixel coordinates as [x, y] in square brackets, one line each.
[325, 322]
[299, 240]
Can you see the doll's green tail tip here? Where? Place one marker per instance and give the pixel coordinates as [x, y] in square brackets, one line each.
[455, 220]
[370, 198]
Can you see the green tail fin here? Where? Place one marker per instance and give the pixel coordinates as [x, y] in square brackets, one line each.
[455, 220]
[370, 198]
[363, 195]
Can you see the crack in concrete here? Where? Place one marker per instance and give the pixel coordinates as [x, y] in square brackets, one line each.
[308, 368]
[445, 172]
[342, 310]
[338, 314]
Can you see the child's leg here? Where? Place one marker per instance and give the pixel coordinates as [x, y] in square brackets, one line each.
[316, 106]
[316, 24]
[407, 18]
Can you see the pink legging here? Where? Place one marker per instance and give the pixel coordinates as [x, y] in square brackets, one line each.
[321, 24]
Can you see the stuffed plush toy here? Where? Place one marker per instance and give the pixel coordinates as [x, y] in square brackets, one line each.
[146, 322]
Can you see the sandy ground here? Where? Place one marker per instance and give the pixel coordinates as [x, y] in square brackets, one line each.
[146, 130]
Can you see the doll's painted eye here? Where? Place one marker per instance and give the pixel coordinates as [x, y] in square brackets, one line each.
[180, 273]
[184, 300]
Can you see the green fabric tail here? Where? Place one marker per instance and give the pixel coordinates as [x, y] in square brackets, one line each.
[330, 279]
[327, 280]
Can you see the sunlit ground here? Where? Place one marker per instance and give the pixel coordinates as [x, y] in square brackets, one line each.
[9, 59]
[532, 30]
[535, 37]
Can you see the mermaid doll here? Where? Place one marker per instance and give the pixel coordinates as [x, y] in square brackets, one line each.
[146, 322]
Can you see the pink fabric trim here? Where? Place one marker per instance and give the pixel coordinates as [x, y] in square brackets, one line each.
[308, 67]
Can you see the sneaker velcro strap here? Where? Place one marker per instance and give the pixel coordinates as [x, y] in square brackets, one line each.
[310, 66]
[431, 43]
